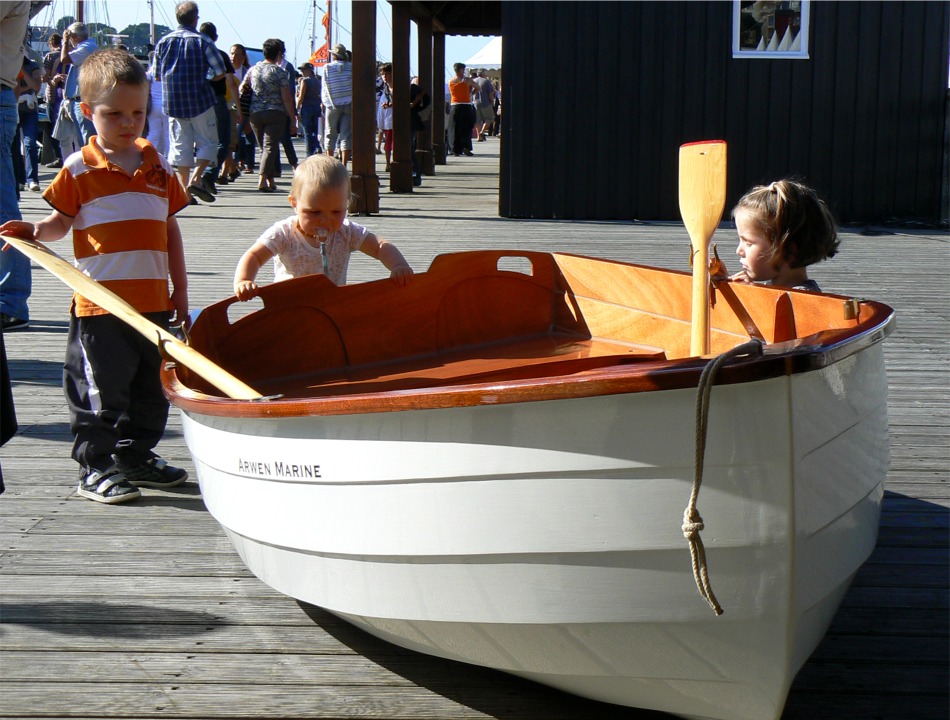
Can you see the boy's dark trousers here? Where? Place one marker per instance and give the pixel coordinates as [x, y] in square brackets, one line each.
[8, 426]
[112, 385]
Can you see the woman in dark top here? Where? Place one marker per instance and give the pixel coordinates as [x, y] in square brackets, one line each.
[309, 90]
[245, 133]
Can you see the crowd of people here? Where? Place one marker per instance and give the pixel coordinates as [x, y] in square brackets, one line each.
[211, 129]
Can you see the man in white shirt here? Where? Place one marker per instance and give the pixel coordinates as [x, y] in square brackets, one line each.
[338, 100]
[77, 46]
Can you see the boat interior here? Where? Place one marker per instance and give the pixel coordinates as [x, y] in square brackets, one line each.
[489, 317]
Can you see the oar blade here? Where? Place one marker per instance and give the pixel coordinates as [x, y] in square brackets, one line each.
[702, 187]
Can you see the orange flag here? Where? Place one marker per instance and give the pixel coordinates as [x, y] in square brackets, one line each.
[321, 56]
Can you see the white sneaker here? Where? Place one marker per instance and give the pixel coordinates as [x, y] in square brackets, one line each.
[35, 186]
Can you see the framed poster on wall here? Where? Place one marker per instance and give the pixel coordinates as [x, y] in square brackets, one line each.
[768, 29]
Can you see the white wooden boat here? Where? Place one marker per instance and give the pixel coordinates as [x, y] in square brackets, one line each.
[492, 464]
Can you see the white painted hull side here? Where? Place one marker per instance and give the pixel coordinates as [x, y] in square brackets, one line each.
[544, 539]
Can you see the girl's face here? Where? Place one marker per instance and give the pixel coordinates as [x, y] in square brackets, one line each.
[755, 248]
[321, 209]
[237, 57]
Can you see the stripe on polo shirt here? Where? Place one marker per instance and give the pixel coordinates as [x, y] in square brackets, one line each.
[130, 265]
[75, 164]
[120, 208]
[143, 295]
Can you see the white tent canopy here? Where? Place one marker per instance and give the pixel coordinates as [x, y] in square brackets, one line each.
[489, 57]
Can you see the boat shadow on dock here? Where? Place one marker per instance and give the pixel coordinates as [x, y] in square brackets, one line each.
[847, 676]
[494, 693]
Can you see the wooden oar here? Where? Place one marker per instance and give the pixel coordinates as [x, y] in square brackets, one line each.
[702, 200]
[108, 300]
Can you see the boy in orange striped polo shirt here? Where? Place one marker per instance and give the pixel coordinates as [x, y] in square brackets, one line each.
[119, 197]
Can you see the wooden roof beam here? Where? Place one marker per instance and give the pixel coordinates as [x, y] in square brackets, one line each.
[458, 18]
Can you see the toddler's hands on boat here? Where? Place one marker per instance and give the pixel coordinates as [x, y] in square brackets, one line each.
[401, 274]
[245, 289]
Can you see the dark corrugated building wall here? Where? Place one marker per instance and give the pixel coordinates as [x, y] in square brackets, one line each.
[599, 96]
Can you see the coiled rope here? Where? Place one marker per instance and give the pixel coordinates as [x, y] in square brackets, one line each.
[692, 521]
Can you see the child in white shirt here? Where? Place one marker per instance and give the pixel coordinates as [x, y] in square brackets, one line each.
[318, 238]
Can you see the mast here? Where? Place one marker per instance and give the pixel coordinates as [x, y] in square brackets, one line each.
[80, 11]
[313, 28]
[151, 22]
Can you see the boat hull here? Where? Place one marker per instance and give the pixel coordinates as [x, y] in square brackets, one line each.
[543, 538]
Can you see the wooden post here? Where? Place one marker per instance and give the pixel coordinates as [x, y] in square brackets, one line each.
[400, 175]
[438, 98]
[364, 181]
[424, 139]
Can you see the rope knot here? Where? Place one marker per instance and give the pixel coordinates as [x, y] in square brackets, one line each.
[692, 529]
[692, 523]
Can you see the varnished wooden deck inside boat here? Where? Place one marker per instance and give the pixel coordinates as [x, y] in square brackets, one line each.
[545, 357]
[145, 611]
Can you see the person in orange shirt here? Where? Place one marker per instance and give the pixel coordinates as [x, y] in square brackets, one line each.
[462, 113]
[119, 197]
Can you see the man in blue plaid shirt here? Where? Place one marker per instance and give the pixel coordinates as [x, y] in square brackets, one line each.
[186, 60]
